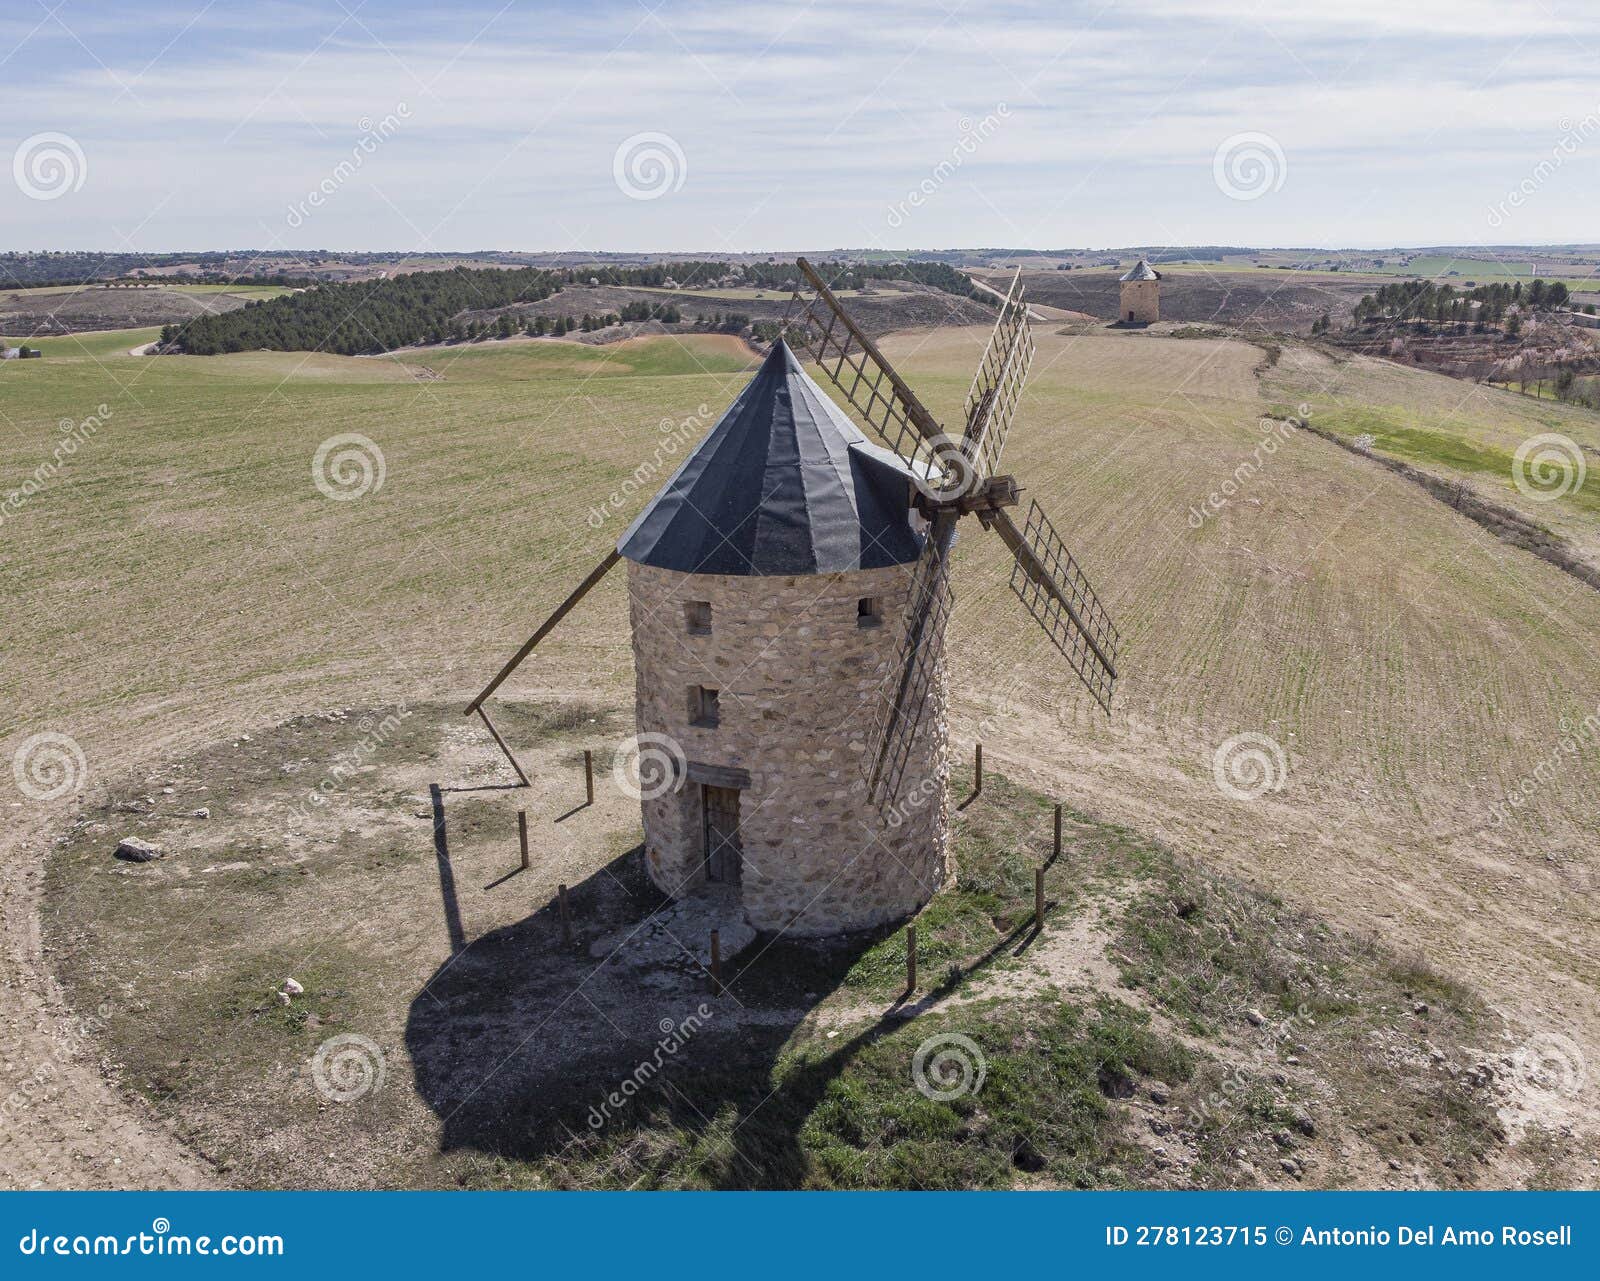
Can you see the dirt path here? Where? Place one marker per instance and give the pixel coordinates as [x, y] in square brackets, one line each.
[1036, 311]
[66, 1127]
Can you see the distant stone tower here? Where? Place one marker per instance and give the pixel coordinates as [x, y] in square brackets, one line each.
[765, 581]
[1141, 295]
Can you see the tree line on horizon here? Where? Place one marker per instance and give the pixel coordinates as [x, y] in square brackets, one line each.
[367, 317]
[362, 318]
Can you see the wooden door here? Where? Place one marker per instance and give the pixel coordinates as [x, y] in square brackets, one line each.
[723, 851]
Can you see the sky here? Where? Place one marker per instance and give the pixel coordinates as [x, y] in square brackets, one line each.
[628, 126]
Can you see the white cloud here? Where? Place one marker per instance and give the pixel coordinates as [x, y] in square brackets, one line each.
[802, 125]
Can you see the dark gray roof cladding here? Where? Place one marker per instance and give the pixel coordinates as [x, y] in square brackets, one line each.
[1141, 270]
[783, 484]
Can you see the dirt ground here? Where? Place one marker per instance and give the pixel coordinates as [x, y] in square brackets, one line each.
[447, 1029]
[1413, 671]
[87, 308]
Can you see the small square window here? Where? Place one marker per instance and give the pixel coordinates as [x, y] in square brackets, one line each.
[869, 611]
[704, 707]
[697, 617]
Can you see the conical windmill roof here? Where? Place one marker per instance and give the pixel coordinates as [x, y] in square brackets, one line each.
[1141, 270]
[783, 484]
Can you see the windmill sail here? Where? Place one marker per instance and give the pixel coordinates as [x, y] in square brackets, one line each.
[907, 693]
[821, 328]
[997, 385]
[1057, 593]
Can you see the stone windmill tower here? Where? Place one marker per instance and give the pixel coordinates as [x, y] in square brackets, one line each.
[1141, 295]
[788, 592]
[760, 581]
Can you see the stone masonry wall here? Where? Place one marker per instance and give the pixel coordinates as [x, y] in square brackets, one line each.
[798, 681]
[1143, 299]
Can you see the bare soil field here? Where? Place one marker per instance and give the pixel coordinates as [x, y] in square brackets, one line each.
[30, 313]
[184, 582]
[1272, 301]
[890, 306]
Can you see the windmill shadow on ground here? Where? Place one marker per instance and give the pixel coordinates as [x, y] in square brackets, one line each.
[530, 1049]
[519, 1040]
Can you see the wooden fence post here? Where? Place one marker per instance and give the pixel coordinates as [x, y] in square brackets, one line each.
[1038, 900]
[1055, 852]
[566, 916]
[716, 963]
[522, 836]
[977, 768]
[911, 958]
[588, 775]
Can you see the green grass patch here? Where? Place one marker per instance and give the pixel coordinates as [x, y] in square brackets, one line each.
[1435, 449]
